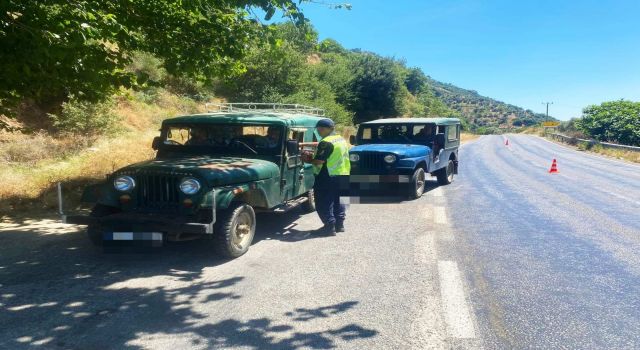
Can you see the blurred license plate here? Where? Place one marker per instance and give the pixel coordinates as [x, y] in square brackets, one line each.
[154, 238]
[135, 236]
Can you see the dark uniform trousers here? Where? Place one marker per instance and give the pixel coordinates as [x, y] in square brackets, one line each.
[327, 198]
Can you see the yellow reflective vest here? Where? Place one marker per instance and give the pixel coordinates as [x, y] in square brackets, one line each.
[338, 161]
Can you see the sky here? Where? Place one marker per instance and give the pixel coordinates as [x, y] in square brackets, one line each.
[523, 52]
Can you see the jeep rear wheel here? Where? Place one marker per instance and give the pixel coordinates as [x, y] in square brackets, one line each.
[310, 205]
[445, 175]
[416, 185]
[235, 230]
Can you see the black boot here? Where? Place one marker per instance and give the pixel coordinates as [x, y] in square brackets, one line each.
[326, 230]
[339, 226]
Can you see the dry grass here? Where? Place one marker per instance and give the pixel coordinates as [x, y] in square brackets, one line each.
[24, 184]
[32, 165]
[466, 137]
[630, 156]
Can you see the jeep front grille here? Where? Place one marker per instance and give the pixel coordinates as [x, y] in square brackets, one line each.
[373, 160]
[158, 191]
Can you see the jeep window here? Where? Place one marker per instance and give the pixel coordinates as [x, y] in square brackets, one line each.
[423, 133]
[397, 133]
[219, 139]
[452, 133]
[298, 135]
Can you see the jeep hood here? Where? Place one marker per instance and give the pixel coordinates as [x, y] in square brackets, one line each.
[216, 171]
[406, 150]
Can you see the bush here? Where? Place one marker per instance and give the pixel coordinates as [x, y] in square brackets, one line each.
[147, 68]
[615, 121]
[86, 118]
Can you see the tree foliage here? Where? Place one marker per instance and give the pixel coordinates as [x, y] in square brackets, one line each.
[614, 121]
[51, 49]
[376, 87]
[351, 85]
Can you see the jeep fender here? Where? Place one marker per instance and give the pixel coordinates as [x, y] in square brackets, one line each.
[256, 197]
[411, 164]
[100, 194]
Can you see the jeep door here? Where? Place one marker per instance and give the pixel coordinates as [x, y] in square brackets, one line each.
[293, 169]
[452, 141]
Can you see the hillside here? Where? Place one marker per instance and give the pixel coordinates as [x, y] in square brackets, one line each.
[483, 114]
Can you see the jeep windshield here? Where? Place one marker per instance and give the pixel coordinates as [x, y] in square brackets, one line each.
[222, 139]
[419, 134]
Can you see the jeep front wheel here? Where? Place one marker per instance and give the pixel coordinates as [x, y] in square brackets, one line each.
[416, 185]
[445, 175]
[235, 229]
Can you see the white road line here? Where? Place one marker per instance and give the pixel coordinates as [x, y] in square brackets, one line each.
[439, 215]
[437, 192]
[457, 314]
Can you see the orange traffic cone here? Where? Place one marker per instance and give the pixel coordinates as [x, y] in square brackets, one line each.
[554, 167]
[506, 142]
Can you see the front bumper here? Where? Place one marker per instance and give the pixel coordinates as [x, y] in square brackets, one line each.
[129, 222]
[381, 179]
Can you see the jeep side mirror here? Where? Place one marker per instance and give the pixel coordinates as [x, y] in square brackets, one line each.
[440, 140]
[293, 148]
[352, 139]
[157, 141]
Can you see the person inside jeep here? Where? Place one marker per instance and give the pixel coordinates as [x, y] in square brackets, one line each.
[272, 140]
[218, 137]
[424, 135]
[198, 137]
[273, 137]
[393, 133]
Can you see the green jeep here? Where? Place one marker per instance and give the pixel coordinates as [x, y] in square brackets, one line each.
[211, 173]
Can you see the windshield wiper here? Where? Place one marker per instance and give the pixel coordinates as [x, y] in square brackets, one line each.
[246, 146]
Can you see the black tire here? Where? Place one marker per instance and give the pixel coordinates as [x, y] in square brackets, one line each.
[310, 205]
[417, 183]
[96, 232]
[445, 175]
[235, 229]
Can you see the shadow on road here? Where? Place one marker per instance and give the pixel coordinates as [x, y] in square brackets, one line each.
[58, 291]
[391, 194]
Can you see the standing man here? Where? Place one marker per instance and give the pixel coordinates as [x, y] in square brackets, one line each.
[331, 168]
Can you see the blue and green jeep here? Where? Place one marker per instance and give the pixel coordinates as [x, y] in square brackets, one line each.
[210, 175]
[401, 151]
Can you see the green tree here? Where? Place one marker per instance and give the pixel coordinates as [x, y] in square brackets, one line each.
[376, 87]
[416, 81]
[335, 70]
[56, 48]
[270, 70]
[614, 121]
[331, 46]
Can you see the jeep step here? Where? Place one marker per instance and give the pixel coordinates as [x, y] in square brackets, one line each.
[290, 204]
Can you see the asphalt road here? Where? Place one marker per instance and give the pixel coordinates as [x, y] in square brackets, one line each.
[508, 256]
[552, 260]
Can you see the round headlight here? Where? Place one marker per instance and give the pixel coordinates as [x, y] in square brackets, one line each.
[354, 157]
[124, 183]
[190, 186]
[389, 158]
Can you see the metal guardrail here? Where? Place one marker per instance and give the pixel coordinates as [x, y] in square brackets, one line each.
[574, 140]
[263, 108]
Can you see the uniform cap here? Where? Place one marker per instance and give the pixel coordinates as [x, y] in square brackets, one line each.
[325, 123]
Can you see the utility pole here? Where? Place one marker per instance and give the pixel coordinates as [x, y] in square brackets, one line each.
[547, 103]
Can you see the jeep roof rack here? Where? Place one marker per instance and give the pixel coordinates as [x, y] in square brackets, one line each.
[263, 108]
